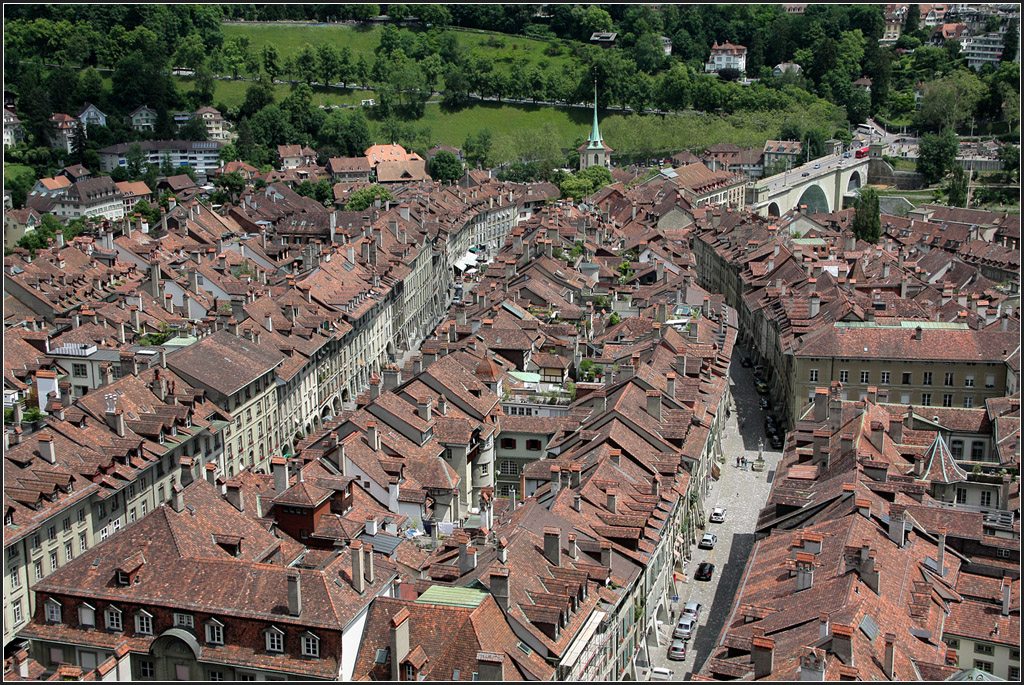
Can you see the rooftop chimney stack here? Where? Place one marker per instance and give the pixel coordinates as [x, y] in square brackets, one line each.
[762, 652]
[399, 642]
[553, 545]
[294, 593]
[499, 587]
[358, 579]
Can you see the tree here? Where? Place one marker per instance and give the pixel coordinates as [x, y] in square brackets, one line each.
[444, 166]
[271, 61]
[956, 187]
[950, 101]
[191, 52]
[477, 147]
[232, 184]
[149, 213]
[257, 96]
[1010, 39]
[134, 159]
[193, 129]
[867, 222]
[1009, 155]
[912, 21]
[327, 62]
[936, 155]
[347, 131]
[363, 198]
[323, 191]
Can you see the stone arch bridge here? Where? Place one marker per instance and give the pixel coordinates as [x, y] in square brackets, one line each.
[821, 184]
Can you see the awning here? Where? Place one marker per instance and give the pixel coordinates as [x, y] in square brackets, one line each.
[467, 260]
[589, 628]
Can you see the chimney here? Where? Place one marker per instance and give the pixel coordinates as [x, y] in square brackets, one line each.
[399, 642]
[503, 543]
[21, 659]
[822, 626]
[1006, 587]
[573, 550]
[177, 498]
[670, 379]
[235, 496]
[815, 304]
[762, 651]
[417, 364]
[368, 551]
[1004, 487]
[467, 557]
[613, 499]
[615, 455]
[574, 475]
[804, 570]
[490, 666]
[896, 517]
[654, 404]
[372, 436]
[294, 593]
[942, 552]
[576, 501]
[279, 467]
[46, 450]
[370, 526]
[553, 545]
[499, 587]
[268, 323]
[820, 405]
[356, 552]
[392, 378]
[890, 655]
[842, 643]
[606, 554]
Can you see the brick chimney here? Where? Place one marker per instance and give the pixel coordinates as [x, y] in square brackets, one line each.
[804, 571]
[399, 641]
[235, 496]
[606, 554]
[613, 500]
[842, 643]
[279, 467]
[490, 666]
[890, 656]
[46, 450]
[896, 518]
[762, 653]
[553, 545]
[499, 587]
[654, 404]
[294, 593]
[369, 571]
[356, 552]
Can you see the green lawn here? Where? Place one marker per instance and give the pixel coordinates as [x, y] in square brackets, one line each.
[12, 171]
[451, 128]
[363, 40]
[232, 93]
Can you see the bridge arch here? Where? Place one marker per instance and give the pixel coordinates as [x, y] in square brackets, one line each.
[855, 182]
[773, 209]
[814, 198]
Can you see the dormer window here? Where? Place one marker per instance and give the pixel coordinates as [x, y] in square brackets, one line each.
[123, 578]
[112, 616]
[275, 640]
[143, 622]
[86, 615]
[310, 645]
[184, 620]
[53, 611]
[214, 632]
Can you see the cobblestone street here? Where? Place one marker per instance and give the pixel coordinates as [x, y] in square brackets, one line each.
[742, 492]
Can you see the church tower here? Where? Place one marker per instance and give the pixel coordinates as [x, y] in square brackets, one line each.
[594, 152]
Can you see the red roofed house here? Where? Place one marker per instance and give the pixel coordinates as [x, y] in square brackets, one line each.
[726, 56]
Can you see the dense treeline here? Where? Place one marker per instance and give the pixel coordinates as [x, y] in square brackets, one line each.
[54, 53]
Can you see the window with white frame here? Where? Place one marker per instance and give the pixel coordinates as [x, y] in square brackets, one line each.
[990, 380]
[275, 640]
[885, 378]
[214, 632]
[38, 565]
[508, 468]
[53, 560]
[968, 402]
[311, 646]
[865, 376]
[844, 376]
[986, 498]
[87, 615]
[15, 578]
[16, 607]
[184, 620]
[977, 451]
[144, 623]
[53, 610]
[969, 381]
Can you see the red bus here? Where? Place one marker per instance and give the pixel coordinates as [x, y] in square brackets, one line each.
[863, 152]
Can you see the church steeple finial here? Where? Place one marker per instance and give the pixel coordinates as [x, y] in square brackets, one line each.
[595, 133]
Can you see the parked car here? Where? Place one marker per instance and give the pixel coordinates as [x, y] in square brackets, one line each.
[817, 166]
[708, 541]
[760, 370]
[764, 403]
[718, 515]
[704, 571]
[846, 155]
[776, 441]
[685, 627]
[746, 363]
[677, 650]
[761, 387]
[659, 673]
[693, 609]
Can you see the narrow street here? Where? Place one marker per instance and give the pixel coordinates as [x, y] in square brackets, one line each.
[742, 492]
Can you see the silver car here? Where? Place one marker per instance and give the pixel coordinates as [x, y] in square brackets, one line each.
[685, 627]
[708, 541]
[693, 609]
[677, 651]
[718, 515]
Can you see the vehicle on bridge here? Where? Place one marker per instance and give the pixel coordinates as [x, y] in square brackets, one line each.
[861, 153]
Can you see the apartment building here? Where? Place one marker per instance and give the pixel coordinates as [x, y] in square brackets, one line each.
[726, 56]
[240, 377]
[201, 156]
[216, 127]
[14, 132]
[142, 118]
[88, 199]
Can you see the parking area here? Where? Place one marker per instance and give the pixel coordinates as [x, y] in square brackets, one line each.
[742, 492]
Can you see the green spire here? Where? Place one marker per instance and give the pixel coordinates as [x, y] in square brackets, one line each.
[595, 133]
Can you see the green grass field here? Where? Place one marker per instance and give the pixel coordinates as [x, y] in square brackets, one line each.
[12, 171]
[362, 40]
[451, 128]
[232, 93]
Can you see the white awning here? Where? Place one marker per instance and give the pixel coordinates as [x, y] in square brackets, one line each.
[467, 260]
[582, 639]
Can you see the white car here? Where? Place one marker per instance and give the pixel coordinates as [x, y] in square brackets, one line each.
[718, 515]
[708, 541]
[661, 673]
